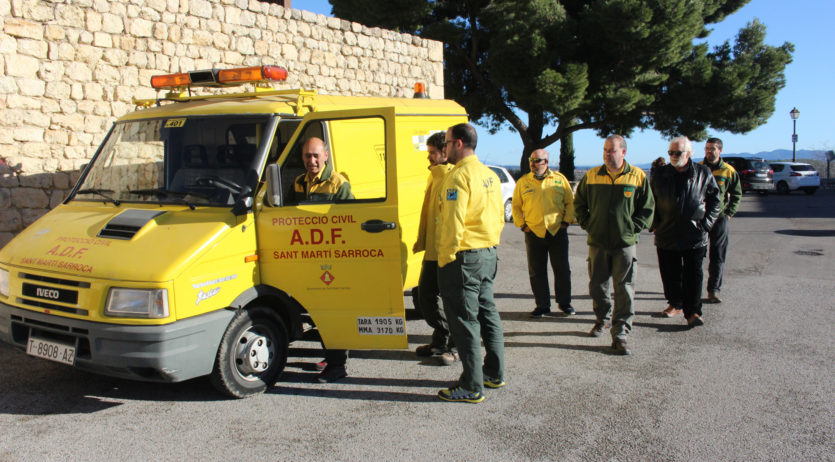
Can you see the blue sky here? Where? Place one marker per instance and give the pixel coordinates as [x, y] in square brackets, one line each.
[809, 87]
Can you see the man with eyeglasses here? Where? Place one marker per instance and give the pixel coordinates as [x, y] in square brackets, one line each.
[543, 207]
[613, 203]
[730, 189]
[687, 202]
[470, 221]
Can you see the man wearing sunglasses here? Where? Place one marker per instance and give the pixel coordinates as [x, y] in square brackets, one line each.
[613, 204]
[543, 207]
[687, 203]
[470, 222]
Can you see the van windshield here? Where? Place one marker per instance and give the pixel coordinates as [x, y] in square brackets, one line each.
[183, 160]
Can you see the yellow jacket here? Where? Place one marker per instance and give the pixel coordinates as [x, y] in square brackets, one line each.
[429, 212]
[471, 213]
[543, 205]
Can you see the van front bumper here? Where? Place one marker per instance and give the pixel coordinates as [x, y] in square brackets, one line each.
[168, 353]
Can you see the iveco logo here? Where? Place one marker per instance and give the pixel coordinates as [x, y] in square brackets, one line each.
[47, 293]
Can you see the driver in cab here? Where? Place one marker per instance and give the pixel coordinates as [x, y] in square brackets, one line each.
[319, 183]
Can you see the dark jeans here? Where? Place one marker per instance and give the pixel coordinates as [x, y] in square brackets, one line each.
[539, 250]
[718, 250]
[682, 277]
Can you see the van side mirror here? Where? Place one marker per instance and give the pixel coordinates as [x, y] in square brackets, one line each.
[273, 185]
[243, 204]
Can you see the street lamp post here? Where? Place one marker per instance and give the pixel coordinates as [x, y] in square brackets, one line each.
[794, 114]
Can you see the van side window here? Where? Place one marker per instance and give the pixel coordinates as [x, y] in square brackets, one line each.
[356, 151]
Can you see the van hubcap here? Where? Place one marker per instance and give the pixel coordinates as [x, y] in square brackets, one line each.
[254, 352]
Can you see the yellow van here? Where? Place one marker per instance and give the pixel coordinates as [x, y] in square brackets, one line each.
[179, 254]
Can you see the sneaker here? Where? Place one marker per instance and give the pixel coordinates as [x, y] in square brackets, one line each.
[332, 374]
[597, 330]
[320, 366]
[540, 312]
[427, 350]
[695, 320]
[619, 345]
[568, 310]
[670, 312]
[448, 358]
[460, 395]
[490, 382]
[713, 297]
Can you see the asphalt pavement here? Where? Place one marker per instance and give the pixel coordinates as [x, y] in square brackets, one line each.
[754, 383]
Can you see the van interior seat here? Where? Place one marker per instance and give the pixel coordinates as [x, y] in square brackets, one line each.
[195, 165]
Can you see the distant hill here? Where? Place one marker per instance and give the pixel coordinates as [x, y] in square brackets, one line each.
[783, 154]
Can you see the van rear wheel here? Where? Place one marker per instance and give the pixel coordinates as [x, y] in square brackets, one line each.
[252, 353]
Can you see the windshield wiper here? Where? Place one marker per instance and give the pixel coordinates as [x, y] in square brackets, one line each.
[179, 195]
[105, 193]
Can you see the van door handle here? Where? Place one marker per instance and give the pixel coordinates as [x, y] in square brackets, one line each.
[376, 226]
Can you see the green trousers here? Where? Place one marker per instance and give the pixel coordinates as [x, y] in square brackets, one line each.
[619, 266]
[466, 287]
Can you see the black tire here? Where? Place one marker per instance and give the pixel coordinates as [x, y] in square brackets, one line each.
[252, 353]
[783, 187]
[508, 211]
[810, 191]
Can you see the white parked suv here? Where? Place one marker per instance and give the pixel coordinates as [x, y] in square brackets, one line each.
[508, 185]
[791, 176]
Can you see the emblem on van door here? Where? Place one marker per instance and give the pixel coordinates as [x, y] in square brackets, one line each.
[201, 296]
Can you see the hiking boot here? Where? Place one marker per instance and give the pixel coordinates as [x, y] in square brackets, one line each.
[670, 312]
[427, 350]
[568, 310]
[490, 382]
[332, 374]
[620, 348]
[448, 358]
[540, 312]
[597, 330]
[460, 395]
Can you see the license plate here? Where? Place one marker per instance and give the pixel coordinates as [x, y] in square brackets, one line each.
[760, 186]
[52, 351]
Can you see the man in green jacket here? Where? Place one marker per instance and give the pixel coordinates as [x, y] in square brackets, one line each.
[613, 203]
[731, 189]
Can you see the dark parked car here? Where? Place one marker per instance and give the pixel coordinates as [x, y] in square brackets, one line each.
[755, 173]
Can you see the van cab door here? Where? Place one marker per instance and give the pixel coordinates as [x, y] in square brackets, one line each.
[341, 259]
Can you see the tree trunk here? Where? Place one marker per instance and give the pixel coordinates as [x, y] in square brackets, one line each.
[567, 156]
[524, 164]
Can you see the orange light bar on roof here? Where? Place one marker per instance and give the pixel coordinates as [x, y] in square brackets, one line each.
[251, 74]
[170, 80]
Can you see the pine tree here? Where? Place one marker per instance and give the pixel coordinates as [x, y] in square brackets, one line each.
[549, 68]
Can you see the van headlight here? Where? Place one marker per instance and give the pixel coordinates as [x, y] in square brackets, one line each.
[4, 283]
[137, 303]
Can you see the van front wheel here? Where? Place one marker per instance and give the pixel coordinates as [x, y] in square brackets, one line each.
[252, 353]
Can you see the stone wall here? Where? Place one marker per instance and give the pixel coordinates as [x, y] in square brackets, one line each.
[68, 68]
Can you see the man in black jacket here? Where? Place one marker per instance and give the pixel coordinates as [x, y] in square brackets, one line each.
[687, 203]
